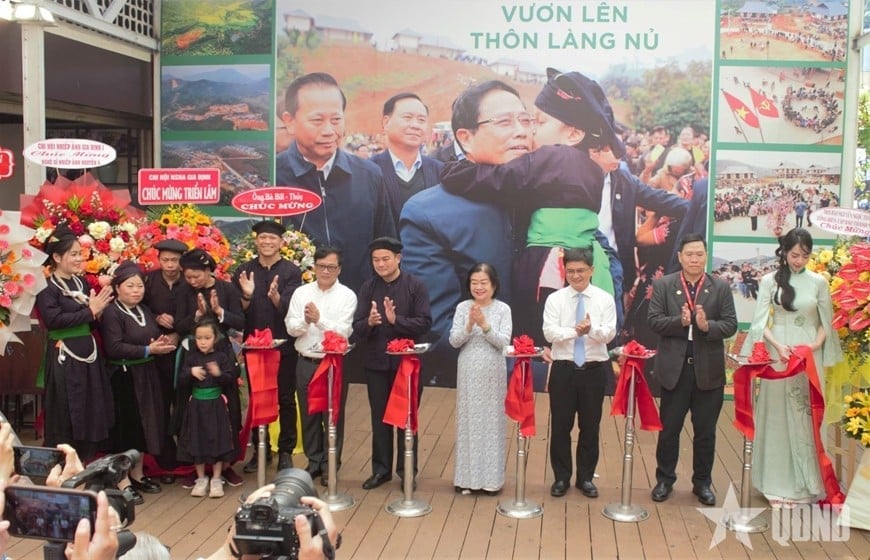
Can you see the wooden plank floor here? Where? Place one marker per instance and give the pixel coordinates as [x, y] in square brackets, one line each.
[469, 527]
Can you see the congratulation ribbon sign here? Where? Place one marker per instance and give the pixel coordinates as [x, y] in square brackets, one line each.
[262, 363]
[519, 402]
[334, 346]
[801, 360]
[633, 368]
[400, 410]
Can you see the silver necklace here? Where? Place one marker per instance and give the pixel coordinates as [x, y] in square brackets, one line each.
[140, 319]
[78, 294]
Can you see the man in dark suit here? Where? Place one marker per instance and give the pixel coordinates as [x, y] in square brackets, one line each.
[406, 170]
[693, 313]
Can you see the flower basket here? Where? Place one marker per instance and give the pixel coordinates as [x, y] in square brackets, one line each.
[103, 220]
[21, 278]
[190, 225]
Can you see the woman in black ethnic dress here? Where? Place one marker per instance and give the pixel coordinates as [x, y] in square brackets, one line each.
[78, 397]
[131, 339]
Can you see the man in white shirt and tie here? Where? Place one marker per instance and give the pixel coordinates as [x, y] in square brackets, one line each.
[579, 321]
[323, 305]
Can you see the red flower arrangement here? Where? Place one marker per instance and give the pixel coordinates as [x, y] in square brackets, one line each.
[103, 220]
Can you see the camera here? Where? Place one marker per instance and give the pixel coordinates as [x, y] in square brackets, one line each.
[105, 474]
[266, 527]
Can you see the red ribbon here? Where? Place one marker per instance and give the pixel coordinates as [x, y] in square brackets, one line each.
[801, 360]
[519, 402]
[260, 338]
[318, 387]
[643, 399]
[400, 411]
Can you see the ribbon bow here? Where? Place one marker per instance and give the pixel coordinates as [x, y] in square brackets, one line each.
[519, 402]
[400, 345]
[759, 353]
[801, 360]
[646, 406]
[334, 345]
[260, 339]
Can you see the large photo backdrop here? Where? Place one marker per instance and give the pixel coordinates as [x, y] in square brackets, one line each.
[689, 83]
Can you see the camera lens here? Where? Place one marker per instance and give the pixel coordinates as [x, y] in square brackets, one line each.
[291, 485]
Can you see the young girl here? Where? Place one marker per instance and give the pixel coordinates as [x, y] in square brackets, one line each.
[206, 433]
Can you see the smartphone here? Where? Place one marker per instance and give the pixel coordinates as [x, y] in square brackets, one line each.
[36, 462]
[39, 512]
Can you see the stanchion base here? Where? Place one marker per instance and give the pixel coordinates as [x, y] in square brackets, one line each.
[409, 508]
[630, 513]
[520, 510]
[338, 502]
[744, 524]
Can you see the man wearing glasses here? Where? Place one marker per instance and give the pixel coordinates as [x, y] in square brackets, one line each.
[443, 234]
[579, 320]
[323, 305]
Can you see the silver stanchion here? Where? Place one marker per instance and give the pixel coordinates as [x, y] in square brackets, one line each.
[337, 501]
[261, 454]
[624, 511]
[743, 521]
[408, 506]
[519, 507]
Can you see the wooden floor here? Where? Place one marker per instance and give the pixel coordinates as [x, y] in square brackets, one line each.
[469, 527]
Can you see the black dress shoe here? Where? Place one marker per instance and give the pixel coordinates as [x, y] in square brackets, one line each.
[588, 488]
[324, 480]
[145, 485]
[705, 495]
[376, 480]
[559, 488]
[167, 479]
[314, 473]
[285, 461]
[661, 492]
[133, 495]
[251, 465]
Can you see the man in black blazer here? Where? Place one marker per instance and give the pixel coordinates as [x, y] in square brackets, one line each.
[406, 170]
[693, 313]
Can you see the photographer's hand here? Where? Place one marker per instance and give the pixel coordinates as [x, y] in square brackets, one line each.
[4, 525]
[7, 456]
[310, 547]
[72, 466]
[104, 543]
[322, 509]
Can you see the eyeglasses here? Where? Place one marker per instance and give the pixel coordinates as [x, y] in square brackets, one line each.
[576, 271]
[507, 120]
[327, 267]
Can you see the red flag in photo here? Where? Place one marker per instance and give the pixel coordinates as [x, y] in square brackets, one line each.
[763, 105]
[741, 110]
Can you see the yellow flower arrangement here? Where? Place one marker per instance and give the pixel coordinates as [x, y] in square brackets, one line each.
[297, 249]
[856, 420]
[186, 223]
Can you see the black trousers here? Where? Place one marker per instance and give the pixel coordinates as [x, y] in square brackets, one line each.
[576, 393]
[705, 407]
[379, 384]
[286, 405]
[166, 368]
[315, 426]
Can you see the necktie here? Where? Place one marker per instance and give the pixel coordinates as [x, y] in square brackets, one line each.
[580, 341]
